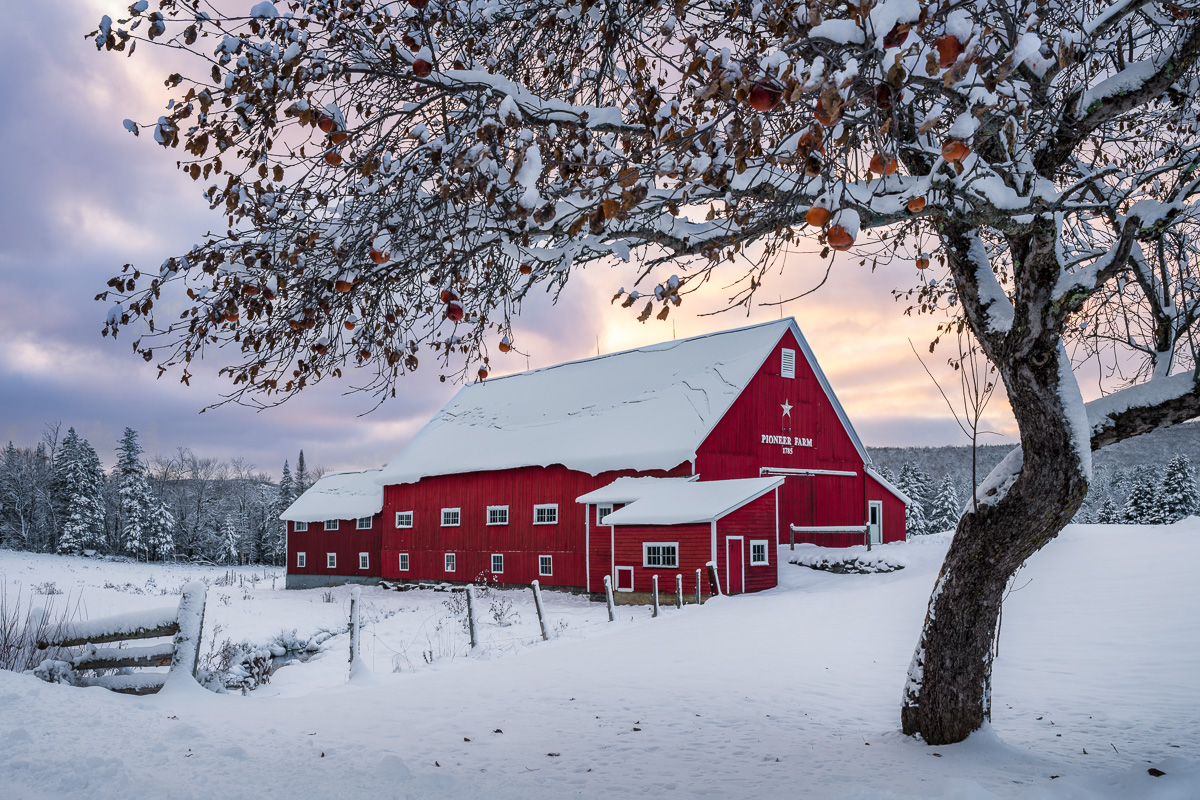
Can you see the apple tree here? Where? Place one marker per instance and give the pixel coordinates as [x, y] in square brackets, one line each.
[393, 179]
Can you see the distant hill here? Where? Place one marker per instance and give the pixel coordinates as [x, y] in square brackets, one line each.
[1151, 450]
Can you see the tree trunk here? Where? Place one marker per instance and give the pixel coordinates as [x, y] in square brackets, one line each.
[948, 694]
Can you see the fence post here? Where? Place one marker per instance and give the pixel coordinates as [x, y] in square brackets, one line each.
[190, 619]
[654, 581]
[612, 615]
[678, 590]
[793, 537]
[699, 598]
[470, 590]
[713, 578]
[355, 598]
[541, 612]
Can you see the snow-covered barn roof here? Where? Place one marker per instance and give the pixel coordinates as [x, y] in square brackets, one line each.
[676, 501]
[339, 495]
[644, 409]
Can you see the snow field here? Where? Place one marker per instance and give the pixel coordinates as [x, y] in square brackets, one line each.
[790, 692]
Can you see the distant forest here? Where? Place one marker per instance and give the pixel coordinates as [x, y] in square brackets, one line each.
[1128, 478]
[55, 497]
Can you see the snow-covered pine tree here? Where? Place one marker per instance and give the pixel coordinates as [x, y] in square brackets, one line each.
[134, 492]
[303, 479]
[1140, 506]
[277, 542]
[1177, 497]
[15, 499]
[1108, 514]
[910, 482]
[946, 507]
[79, 480]
[159, 536]
[229, 539]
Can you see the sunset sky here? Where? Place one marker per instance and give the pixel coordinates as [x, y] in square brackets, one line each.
[82, 196]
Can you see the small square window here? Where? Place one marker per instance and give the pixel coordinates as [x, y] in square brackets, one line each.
[497, 515]
[331, 560]
[331, 524]
[364, 561]
[451, 517]
[545, 565]
[364, 523]
[497, 562]
[450, 562]
[787, 363]
[300, 527]
[545, 514]
[660, 554]
[602, 512]
[403, 565]
[758, 553]
[301, 560]
[404, 519]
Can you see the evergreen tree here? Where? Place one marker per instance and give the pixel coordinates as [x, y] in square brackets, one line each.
[1140, 506]
[16, 500]
[1108, 513]
[79, 481]
[914, 487]
[1177, 496]
[134, 492]
[229, 539]
[302, 476]
[277, 542]
[946, 507]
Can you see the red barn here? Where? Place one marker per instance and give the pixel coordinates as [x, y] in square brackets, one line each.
[334, 531]
[504, 483]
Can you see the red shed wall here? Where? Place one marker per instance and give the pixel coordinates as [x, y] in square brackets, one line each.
[474, 541]
[894, 519]
[695, 550]
[735, 448]
[347, 542]
[753, 521]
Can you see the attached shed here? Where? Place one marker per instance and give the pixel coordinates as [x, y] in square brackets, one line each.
[677, 526]
[335, 531]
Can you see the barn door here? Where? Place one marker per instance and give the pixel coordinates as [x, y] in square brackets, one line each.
[735, 565]
[875, 521]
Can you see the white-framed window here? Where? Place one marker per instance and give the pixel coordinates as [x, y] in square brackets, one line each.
[660, 555]
[451, 562]
[299, 527]
[602, 512]
[301, 560]
[497, 515]
[624, 579]
[364, 560]
[758, 553]
[363, 524]
[451, 517]
[404, 519]
[403, 565]
[787, 363]
[331, 560]
[545, 514]
[497, 562]
[331, 524]
[545, 565]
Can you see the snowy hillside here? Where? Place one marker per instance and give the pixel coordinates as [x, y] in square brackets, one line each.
[791, 692]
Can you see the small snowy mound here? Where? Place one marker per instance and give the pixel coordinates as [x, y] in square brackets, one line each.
[848, 560]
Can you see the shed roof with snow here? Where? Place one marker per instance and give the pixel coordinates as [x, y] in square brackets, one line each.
[645, 409]
[339, 495]
[677, 501]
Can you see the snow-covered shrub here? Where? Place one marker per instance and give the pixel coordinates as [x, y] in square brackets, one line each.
[502, 612]
[21, 627]
[47, 588]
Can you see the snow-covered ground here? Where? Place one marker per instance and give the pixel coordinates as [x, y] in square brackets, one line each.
[791, 692]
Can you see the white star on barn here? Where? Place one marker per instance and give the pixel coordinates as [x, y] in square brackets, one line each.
[787, 409]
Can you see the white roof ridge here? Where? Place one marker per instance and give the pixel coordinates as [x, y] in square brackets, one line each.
[627, 351]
